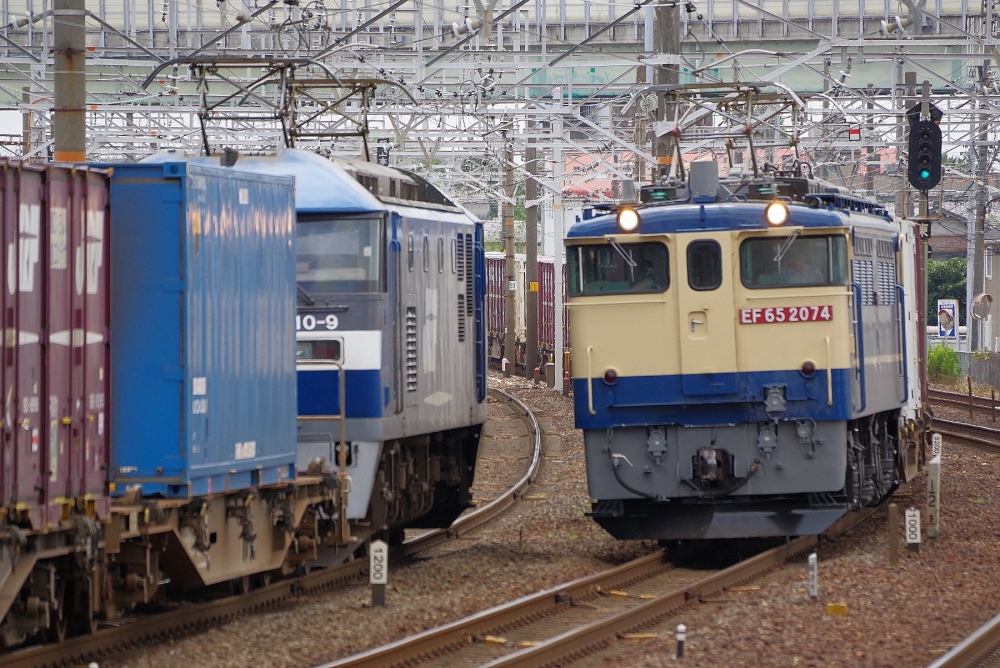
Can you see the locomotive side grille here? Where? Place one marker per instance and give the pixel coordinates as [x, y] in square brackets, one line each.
[460, 261]
[864, 276]
[885, 248]
[468, 274]
[411, 349]
[461, 318]
[864, 246]
[887, 283]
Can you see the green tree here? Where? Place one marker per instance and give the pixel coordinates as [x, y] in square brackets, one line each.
[945, 280]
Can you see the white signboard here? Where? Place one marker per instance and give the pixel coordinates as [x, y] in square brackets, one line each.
[947, 316]
[378, 573]
[935, 445]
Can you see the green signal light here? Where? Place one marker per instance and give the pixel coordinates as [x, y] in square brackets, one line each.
[925, 173]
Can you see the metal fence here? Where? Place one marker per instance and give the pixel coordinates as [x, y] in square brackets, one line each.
[983, 367]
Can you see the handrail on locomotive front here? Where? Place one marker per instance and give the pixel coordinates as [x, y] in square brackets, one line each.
[345, 481]
[590, 380]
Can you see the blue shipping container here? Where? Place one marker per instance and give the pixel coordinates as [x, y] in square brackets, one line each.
[202, 336]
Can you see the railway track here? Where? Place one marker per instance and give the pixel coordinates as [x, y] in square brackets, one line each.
[982, 405]
[974, 436]
[194, 617]
[578, 617]
[982, 647]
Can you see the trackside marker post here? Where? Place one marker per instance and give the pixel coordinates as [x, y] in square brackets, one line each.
[934, 497]
[813, 576]
[936, 442]
[911, 529]
[893, 534]
[681, 637]
[378, 572]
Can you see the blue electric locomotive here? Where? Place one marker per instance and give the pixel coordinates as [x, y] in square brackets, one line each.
[391, 293]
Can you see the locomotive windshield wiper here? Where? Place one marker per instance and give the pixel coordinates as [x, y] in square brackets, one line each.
[788, 244]
[304, 296]
[626, 255]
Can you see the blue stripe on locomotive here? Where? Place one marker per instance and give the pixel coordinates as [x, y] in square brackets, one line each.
[319, 393]
[640, 400]
[721, 216]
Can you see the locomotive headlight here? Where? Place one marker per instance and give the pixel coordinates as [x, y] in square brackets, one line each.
[628, 220]
[776, 214]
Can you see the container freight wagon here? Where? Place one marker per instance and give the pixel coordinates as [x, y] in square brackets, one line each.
[203, 421]
[496, 291]
[55, 386]
[547, 312]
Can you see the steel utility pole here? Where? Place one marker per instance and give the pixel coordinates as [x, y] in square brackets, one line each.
[531, 251]
[69, 128]
[510, 317]
[977, 258]
[667, 41]
[557, 290]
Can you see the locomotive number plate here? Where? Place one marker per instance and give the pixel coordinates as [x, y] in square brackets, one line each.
[757, 316]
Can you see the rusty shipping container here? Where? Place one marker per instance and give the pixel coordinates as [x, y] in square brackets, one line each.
[547, 306]
[55, 364]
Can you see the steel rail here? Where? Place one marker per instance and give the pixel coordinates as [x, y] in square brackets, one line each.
[959, 400]
[974, 650]
[480, 516]
[460, 633]
[80, 649]
[975, 436]
[985, 641]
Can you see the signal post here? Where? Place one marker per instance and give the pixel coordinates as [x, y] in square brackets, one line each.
[923, 173]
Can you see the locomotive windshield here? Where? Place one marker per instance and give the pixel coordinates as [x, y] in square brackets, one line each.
[780, 262]
[339, 255]
[617, 269]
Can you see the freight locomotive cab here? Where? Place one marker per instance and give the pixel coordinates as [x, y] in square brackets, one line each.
[740, 360]
[382, 258]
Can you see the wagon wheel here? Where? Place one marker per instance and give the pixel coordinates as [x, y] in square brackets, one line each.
[58, 619]
[83, 622]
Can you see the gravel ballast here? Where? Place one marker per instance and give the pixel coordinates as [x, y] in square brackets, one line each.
[905, 615]
[544, 540]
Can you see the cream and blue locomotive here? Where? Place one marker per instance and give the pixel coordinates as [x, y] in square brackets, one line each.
[745, 357]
